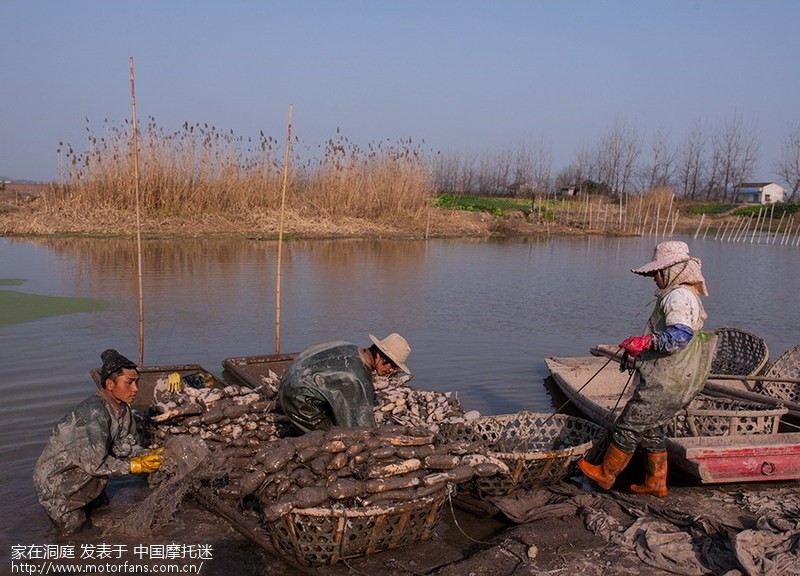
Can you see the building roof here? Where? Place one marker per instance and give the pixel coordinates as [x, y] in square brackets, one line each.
[754, 184]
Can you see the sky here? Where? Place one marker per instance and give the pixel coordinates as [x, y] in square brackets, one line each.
[460, 77]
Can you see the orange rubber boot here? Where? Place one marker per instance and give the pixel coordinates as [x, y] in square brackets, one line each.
[605, 473]
[655, 482]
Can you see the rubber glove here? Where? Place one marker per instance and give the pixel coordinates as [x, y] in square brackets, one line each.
[147, 462]
[635, 345]
[174, 383]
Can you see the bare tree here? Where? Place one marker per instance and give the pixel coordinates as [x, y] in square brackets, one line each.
[735, 152]
[494, 172]
[660, 170]
[454, 173]
[691, 163]
[788, 167]
[615, 157]
[532, 168]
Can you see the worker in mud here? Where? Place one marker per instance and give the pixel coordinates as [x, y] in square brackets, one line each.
[331, 384]
[96, 440]
[672, 361]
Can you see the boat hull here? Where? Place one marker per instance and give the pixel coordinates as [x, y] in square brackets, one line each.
[595, 386]
[249, 370]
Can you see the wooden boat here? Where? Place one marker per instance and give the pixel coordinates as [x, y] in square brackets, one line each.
[152, 378]
[596, 387]
[250, 370]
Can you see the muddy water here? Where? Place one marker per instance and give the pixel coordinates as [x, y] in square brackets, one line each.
[480, 317]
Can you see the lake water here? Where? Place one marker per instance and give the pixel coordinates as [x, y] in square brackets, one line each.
[480, 316]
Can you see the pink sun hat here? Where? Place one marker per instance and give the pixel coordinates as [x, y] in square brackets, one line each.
[665, 255]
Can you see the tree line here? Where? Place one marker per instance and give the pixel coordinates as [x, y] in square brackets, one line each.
[707, 165]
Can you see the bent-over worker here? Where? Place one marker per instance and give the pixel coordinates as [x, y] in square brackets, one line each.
[331, 384]
[96, 440]
[672, 361]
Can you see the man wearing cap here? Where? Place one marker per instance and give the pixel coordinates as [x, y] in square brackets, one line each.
[95, 440]
[331, 384]
[672, 361]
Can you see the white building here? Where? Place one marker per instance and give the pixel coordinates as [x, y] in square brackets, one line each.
[758, 193]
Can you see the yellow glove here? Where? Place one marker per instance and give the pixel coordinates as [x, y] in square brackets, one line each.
[174, 384]
[147, 462]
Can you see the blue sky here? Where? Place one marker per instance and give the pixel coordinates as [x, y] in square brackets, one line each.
[462, 76]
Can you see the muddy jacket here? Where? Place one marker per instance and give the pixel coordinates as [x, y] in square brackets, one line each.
[666, 382]
[91, 443]
[328, 385]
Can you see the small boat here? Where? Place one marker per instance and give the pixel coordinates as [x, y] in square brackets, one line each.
[252, 370]
[710, 442]
[152, 378]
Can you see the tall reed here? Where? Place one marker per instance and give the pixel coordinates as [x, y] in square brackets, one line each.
[202, 169]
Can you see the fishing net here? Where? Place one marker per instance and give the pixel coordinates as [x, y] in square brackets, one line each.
[188, 464]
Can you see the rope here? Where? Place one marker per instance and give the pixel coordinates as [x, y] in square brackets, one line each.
[578, 391]
[616, 405]
[455, 520]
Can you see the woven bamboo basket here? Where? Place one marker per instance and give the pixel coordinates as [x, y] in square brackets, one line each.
[787, 365]
[539, 449]
[712, 416]
[325, 535]
[739, 352]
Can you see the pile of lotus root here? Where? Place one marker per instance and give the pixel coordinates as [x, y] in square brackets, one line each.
[400, 460]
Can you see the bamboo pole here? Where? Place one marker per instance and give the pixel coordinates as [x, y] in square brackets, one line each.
[135, 145]
[747, 223]
[708, 227]
[724, 229]
[668, 214]
[658, 217]
[769, 226]
[778, 229]
[755, 228]
[734, 230]
[788, 232]
[674, 223]
[280, 235]
[637, 219]
[643, 223]
[699, 225]
[741, 222]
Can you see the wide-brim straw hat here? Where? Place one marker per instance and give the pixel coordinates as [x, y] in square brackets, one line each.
[665, 255]
[395, 348]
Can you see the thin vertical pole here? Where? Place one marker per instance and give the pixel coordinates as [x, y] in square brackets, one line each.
[280, 236]
[135, 128]
[755, 228]
[778, 229]
[700, 225]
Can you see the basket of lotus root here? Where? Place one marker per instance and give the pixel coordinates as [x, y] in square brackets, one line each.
[347, 492]
[325, 535]
[535, 449]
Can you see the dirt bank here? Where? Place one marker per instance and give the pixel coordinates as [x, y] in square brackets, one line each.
[733, 530]
[25, 210]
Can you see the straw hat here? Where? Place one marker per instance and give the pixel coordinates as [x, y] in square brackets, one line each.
[665, 255]
[395, 348]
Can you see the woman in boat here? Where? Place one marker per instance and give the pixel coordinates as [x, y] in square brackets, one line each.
[96, 440]
[331, 384]
[672, 361]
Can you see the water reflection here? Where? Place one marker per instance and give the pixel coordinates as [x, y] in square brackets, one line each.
[480, 315]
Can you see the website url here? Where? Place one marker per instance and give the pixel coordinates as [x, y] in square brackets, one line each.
[107, 568]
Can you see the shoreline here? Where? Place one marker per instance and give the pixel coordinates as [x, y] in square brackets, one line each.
[25, 212]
